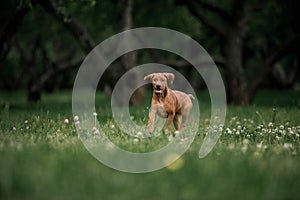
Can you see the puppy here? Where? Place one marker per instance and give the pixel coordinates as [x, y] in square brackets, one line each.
[167, 103]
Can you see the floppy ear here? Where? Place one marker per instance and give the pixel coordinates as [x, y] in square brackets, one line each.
[148, 77]
[170, 77]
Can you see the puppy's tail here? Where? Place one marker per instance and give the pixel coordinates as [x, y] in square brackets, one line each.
[191, 96]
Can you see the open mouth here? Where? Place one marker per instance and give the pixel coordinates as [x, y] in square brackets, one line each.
[158, 91]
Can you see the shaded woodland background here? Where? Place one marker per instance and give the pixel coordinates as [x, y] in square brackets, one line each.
[254, 43]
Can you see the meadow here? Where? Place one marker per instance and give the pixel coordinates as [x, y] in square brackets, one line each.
[257, 156]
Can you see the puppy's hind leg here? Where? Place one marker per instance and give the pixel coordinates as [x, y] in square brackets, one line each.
[176, 121]
[185, 115]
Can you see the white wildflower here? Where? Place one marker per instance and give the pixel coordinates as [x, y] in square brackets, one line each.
[221, 128]
[259, 145]
[139, 134]
[66, 121]
[287, 146]
[228, 131]
[95, 114]
[281, 127]
[95, 131]
[135, 139]
[76, 118]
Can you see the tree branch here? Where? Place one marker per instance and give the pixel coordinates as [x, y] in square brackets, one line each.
[39, 84]
[275, 55]
[215, 9]
[70, 23]
[198, 13]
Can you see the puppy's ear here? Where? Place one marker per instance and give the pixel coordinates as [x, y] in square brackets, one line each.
[170, 77]
[148, 77]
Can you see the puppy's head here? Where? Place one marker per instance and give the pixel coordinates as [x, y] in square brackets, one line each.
[160, 81]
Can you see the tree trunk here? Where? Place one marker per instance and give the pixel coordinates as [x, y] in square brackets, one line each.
[128, 61]
[8, 32]
[234, 73]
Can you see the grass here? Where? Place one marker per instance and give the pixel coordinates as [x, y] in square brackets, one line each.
[257, 156]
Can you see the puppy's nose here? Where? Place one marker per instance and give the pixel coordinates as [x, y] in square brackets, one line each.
[158, 86]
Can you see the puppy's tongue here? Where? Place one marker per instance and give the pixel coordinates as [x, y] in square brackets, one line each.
[158, 91]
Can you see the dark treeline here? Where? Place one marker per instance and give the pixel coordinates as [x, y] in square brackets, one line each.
[254, 43]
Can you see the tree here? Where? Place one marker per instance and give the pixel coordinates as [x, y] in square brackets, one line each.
[232, 26]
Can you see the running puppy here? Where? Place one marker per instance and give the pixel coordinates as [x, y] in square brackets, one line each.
[167, 103]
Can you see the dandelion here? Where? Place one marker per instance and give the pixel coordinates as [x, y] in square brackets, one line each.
[26, 121]
[112, 126]
[27, 127]
[14, 129]
[66, 121]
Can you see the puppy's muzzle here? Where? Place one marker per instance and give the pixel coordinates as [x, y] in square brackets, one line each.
[158, 89]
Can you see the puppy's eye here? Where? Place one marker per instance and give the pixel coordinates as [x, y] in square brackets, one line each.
[163, 80]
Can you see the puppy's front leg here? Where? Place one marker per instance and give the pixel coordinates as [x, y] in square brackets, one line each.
[151, 120]
[169, 121]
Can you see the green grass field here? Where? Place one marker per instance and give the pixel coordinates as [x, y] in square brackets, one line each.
[257, 157]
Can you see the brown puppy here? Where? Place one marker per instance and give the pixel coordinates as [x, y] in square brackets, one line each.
[167, 103]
